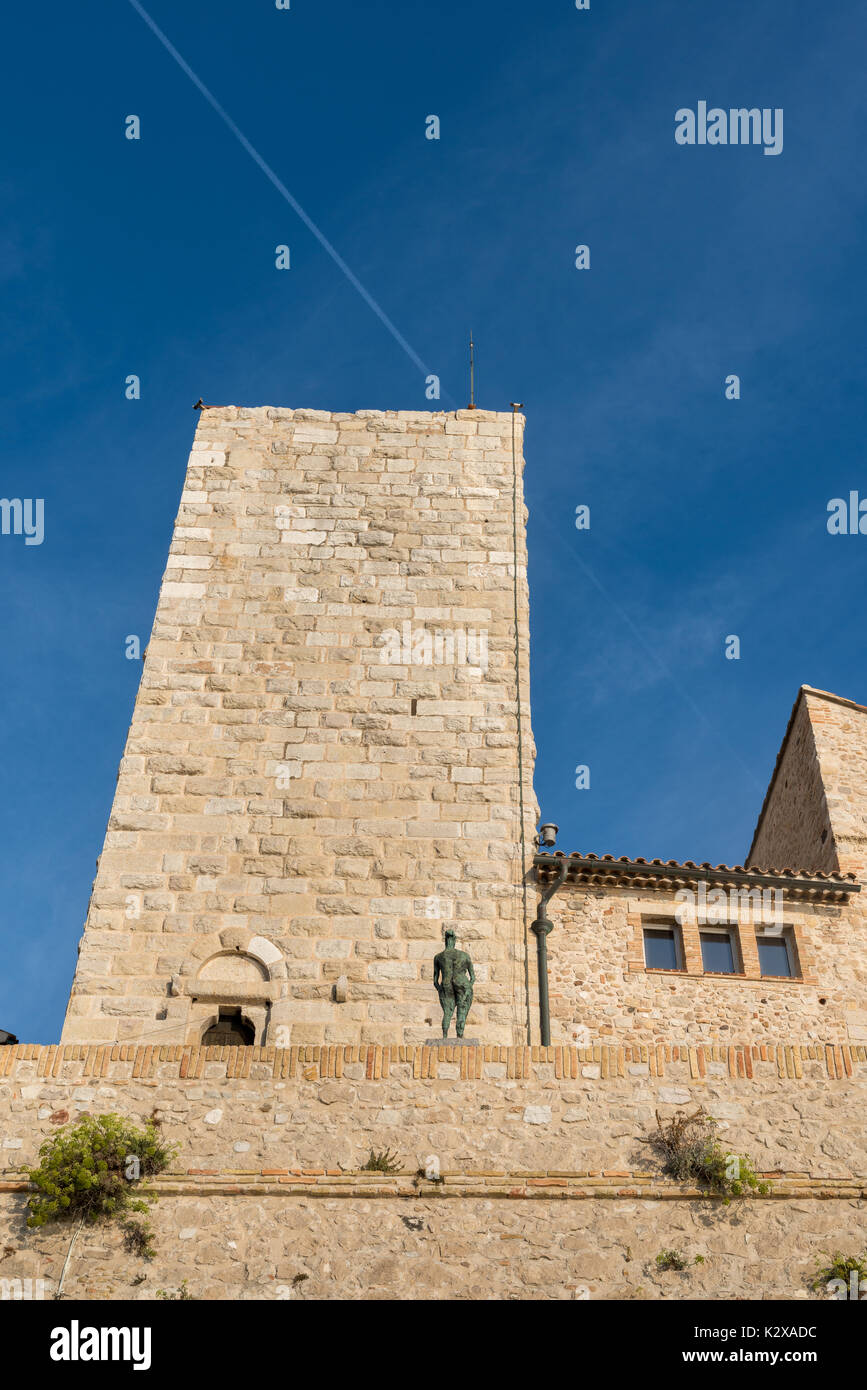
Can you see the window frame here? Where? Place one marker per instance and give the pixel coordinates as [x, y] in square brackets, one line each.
[788, 939]
[732, 933]
[650, 916]
[677, 937]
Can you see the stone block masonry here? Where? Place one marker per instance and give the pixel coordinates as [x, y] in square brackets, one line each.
[295, 818]
[403, 1245]
[548, 1191]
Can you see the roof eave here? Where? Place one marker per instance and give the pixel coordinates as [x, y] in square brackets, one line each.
[582, 870]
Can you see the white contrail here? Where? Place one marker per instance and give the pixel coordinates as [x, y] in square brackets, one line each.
[283, 190]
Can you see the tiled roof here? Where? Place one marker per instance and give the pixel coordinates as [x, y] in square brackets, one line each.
[602, 869]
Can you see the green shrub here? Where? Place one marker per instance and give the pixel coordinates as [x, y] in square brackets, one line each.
[182, 1294]
[91, 1169]
[691, 1151]
[138, 1238]
[839, 1266]
[384, 1162]
[671, 1259]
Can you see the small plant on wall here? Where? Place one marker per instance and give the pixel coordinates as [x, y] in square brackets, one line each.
[383, 1162]
[690, 1149]
[138, 1238]
[93, 1169]
[671, 1259]
[845, 1275]
[182, 1294]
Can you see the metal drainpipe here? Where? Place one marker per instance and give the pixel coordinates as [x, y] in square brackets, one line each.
[541, 927]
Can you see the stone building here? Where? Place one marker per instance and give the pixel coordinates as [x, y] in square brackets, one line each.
[330, 762]
[777, 946]
[331, 758]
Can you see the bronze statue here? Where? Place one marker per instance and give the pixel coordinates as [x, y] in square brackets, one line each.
[453, 979]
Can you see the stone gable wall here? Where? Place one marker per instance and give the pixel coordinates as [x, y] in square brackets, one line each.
[840, 733]
[815, 813]
[794, 830]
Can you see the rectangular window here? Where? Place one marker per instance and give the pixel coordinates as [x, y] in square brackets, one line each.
[774, 956]
[718, 952]
[661, 948]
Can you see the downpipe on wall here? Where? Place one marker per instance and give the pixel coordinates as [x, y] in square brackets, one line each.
[542, 926]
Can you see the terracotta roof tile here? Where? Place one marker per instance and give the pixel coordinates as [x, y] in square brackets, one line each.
[586, 864]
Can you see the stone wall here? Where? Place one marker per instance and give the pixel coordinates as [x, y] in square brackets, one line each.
[315, 782]
[300, 1247]
[599, 984]
[794, 828]
[312, 789]
[548, 1190]
[840, 732]
[815, 816]
[815, 811]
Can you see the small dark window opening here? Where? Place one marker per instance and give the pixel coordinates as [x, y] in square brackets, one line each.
[717, 953]
[661, 949]
[774, 957]
[230, 1030]
[413, 706]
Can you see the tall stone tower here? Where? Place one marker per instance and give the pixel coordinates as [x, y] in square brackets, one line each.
[330, 758]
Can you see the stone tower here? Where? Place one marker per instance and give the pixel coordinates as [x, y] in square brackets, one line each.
[330, 757]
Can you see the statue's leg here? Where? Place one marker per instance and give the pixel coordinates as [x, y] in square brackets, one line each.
[463, 1007]
[448, 1002]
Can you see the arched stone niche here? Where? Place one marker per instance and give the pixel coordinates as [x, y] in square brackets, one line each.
[231, 969]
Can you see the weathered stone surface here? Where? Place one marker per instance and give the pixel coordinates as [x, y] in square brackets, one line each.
[314, 786]
[281, 753]
[247, 1247]
[479, 1113]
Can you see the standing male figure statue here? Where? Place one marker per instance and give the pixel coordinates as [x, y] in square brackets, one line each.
[453, 979]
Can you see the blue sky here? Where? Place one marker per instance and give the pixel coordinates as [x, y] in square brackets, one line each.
[708, 516]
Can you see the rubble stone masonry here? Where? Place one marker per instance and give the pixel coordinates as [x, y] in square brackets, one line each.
[600, 985]
[815, 812]
[548, 1189]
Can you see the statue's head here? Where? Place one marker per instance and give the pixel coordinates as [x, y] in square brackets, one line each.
[451, 938]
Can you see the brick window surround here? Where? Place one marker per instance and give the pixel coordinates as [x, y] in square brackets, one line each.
[743, 942]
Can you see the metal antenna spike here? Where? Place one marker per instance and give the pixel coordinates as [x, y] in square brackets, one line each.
[472, 404]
